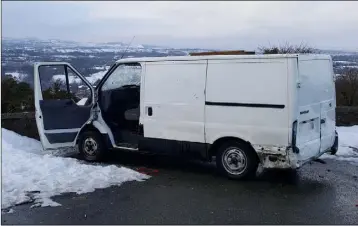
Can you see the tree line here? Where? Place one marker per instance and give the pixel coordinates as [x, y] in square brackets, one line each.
[18, 96]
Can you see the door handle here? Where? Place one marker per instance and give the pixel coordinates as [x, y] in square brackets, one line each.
[150, 111]
[323, 121]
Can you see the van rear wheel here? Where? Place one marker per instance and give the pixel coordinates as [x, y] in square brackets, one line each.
[91, 146]
[236, 160]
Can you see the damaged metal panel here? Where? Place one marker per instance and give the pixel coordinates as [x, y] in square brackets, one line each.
[272, 156]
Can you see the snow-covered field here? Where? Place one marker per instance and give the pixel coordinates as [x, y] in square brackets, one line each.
[17, 75]
[92, 78]
[29, 174]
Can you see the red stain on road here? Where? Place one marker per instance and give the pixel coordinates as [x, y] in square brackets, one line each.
[147, 171]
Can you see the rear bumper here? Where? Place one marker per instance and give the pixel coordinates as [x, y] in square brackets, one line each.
[290, 159]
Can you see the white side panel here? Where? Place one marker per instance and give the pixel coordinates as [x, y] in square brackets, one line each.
[247, 82]
[175, 92]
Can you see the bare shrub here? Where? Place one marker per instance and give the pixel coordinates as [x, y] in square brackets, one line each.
[347, 88]
[287, 48]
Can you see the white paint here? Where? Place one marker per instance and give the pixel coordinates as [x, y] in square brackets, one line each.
[175, 92]
[253, 81]
[316, 95]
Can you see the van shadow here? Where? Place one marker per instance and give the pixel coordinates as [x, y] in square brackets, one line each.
[179, 164]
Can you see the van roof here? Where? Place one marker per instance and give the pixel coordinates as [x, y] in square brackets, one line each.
[224, 57]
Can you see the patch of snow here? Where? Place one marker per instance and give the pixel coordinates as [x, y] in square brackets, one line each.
[64, 56]
[92, 78]
[99, 68]
[82, 101]
[33, 175]
[350, 66]
[7, 210]
[163, 51]
[347, 145]
[71, 79]
[17, 75]
[343, 62]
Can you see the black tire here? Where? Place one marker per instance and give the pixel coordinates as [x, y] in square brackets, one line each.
[98, 150]
[237, 153]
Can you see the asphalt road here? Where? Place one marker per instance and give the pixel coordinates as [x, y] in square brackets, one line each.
[182, 192]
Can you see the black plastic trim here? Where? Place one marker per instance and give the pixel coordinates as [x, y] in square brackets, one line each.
[61, 137]
[295, 149]
[230, 104]
[173, 147]
[304, 112]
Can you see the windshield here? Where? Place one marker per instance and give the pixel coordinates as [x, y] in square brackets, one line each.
[123, 76]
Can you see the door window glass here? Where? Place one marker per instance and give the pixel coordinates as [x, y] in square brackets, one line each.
[124, 75]
[60, 82]
[53, 82]
[78, 89]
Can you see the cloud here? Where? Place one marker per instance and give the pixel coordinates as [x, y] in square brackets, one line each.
[216, 24]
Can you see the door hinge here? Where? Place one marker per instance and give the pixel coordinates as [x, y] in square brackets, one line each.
[298, 85]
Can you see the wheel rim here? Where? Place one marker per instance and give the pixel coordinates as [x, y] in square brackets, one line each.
[234, 160]
[90, 146]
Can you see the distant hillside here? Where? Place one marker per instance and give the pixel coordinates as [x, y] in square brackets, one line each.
[92, 59]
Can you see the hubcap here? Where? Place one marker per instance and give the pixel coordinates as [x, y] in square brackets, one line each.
[90, 146]
[234, 160]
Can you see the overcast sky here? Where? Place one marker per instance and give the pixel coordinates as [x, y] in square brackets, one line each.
[215, 24]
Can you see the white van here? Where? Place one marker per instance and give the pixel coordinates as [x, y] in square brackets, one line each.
[274, 110]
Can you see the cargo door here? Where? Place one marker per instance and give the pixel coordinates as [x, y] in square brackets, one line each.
[328, 103]
[316, 107]
[308, 139]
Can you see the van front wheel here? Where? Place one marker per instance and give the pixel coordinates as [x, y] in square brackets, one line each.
[91, 146]
[236, 160]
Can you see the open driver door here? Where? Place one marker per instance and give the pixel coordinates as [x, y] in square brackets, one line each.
[63, 103]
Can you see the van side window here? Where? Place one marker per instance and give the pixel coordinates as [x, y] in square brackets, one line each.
[124, 75]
